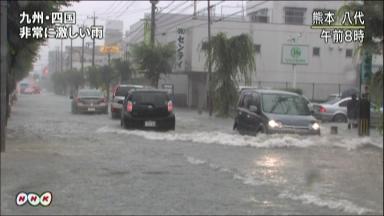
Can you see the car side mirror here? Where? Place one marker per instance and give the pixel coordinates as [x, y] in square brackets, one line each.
[253, 108]
[71, 97]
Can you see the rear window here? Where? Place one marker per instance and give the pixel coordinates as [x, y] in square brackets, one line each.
[90, 94]
[123, 90]
[156, 98]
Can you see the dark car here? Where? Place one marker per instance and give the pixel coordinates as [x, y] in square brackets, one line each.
[273, 111]
[89, 101]
[148, 108]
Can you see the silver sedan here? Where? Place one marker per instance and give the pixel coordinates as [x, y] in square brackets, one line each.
[333, 110]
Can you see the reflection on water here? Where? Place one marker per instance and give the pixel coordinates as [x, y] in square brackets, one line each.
[269, 169]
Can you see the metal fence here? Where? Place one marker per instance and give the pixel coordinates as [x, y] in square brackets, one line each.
[313, 91]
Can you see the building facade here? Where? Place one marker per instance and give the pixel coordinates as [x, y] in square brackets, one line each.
[331, 67]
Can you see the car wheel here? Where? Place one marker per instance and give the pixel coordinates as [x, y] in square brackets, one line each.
[172, 127]
[339, 118]
[262, 129]
[122, 124]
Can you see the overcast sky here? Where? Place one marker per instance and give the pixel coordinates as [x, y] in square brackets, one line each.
[129, 12]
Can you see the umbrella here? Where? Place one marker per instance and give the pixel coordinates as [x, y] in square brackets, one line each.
[349, 92]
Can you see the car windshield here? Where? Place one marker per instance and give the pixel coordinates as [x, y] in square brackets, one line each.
[123, 90]
[90, 93]
[284, 104]
[156, 98]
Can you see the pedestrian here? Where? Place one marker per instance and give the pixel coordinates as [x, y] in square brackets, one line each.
[364, 114]
[352, 107]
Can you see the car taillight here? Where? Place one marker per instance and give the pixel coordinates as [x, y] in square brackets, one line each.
[129, 106]
[170, 106]
[322, 109]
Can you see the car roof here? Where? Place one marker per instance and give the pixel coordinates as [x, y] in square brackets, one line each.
[130, 85]
[86, 89]
[269, 91]
[149, 90]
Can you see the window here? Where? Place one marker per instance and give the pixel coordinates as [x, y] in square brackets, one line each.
[260, 16]
[316, 51]
[257, 48]
[294, 16]
[284, 104]
[155, 98]
[348, 53]
[247, 101]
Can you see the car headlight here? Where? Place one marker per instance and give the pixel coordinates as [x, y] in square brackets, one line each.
[315, 126]
[275, 124]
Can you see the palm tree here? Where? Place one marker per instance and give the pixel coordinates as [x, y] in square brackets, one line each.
[230, 57]
[124, 69]
[154, 61]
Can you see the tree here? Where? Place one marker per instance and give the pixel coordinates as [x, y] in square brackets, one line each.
[373, 32]
[373, 21]
[123, 69]
[230, 57]
[154, 61]
[71, 79]
[93, 76]
[22, 52]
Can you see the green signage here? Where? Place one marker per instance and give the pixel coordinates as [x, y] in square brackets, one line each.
[294, 54]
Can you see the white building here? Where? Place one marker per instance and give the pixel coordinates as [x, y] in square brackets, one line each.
[331, 67]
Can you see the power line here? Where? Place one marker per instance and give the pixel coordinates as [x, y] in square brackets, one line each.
[188, 18]
[174, 8]
[110, 7]
[221, 19]
[139, 29]
[112, 11]
[164, 24]
[118, 16]
[118, 9]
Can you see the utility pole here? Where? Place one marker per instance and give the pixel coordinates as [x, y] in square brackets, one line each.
[82, 58]
[57, 60]
[93, 40]
[209, 63]
[71, 55]
[153, 25]
[3, 73]
[61, 57]
[82, 53]
[194, 9]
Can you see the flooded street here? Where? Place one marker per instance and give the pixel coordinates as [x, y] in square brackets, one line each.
[92, 166]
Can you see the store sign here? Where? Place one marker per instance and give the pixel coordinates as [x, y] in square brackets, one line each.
[180, 48]
[294, 54]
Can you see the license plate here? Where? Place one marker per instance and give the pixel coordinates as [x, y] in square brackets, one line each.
[91, 109]
[150, 124]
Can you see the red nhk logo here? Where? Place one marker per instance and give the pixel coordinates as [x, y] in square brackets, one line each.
[45, 199]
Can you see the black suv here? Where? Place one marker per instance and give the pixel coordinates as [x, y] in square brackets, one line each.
[148, 108]
[273, 111]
